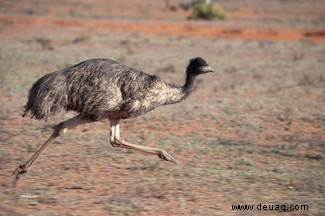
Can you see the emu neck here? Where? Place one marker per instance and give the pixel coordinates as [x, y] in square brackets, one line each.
[177, 94]
[189, 84]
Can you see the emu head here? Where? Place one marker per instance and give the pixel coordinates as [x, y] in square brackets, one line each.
[198, 66]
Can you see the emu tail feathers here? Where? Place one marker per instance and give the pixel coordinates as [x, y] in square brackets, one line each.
[46, 97]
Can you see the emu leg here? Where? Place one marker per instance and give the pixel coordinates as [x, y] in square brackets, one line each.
[116, 141]
[60, 128]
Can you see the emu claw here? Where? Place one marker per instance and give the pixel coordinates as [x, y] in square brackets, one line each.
[165, 156]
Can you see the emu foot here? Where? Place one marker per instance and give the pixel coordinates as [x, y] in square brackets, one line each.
[165, 156]
[21, 169]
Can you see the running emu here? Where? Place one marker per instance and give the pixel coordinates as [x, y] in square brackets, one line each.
[102, 88]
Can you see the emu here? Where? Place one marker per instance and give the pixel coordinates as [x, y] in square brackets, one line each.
[100, 89]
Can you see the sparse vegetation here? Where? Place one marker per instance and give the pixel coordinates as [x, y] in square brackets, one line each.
[69, 64]
[81, 39]
[46, 43]
[206, 11]
[244, 161]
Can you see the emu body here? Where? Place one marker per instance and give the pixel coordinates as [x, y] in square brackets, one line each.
[104, 89]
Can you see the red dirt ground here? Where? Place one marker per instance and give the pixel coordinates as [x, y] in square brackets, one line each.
[160, 20]
[249, 134]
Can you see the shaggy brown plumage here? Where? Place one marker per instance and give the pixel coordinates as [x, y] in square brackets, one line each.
[105, 89]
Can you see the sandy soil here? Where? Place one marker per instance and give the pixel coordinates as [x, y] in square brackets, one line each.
[253, 132]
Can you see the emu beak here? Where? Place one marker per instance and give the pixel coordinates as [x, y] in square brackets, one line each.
[207, 69]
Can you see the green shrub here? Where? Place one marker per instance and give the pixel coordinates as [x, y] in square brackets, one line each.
[208, 11]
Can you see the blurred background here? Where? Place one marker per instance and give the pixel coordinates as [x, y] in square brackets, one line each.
[251, 133]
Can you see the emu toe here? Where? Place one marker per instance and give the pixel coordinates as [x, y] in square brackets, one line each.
[165, 156]
[19, 170]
